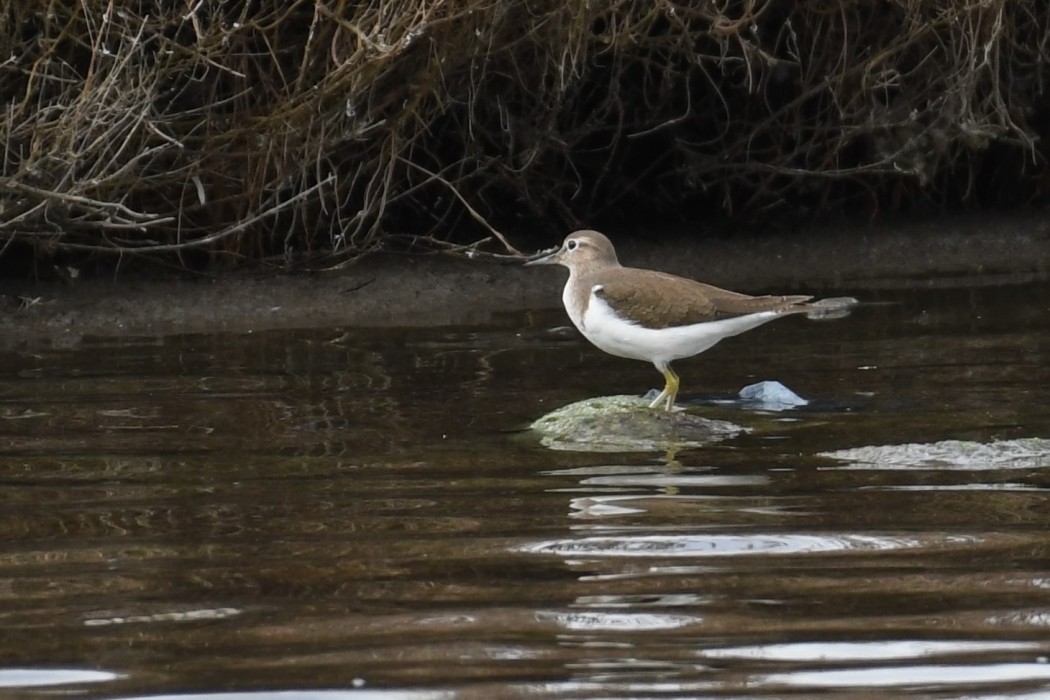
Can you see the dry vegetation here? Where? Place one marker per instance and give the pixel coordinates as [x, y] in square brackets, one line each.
[314, 130]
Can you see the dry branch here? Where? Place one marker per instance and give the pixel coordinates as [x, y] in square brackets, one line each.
[315, 129]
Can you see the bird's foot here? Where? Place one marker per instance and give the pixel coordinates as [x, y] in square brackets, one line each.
[666, 398]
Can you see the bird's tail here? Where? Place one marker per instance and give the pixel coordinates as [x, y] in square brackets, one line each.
[833, 307]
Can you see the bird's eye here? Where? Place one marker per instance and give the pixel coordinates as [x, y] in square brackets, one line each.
[571, 245]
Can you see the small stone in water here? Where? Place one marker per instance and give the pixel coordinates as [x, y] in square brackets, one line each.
[771, 396]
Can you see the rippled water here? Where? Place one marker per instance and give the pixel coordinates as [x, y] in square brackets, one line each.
[344, 512]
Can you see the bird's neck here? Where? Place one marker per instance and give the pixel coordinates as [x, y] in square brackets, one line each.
[577, 293]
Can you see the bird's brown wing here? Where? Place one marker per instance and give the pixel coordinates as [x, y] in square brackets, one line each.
[659, 300]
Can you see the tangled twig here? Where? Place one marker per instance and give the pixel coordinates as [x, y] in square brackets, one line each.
[314, 129]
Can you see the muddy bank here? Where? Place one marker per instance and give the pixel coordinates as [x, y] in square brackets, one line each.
[388, 290]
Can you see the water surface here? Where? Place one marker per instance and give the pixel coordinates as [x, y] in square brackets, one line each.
[358, 512]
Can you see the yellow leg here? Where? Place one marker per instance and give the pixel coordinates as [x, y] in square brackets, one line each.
[670, 392]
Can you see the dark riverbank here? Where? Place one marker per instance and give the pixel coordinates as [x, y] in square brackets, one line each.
[386, 290]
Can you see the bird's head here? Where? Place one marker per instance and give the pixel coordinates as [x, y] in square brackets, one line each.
[580, 248]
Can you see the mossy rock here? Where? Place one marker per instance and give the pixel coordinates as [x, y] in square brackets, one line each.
[627, 424]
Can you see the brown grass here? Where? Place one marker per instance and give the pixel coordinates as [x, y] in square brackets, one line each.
[315, 131]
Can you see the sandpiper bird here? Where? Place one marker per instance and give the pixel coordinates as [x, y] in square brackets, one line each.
[655, 316]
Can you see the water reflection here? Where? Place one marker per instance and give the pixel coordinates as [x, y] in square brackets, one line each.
[865, 651]
[177, 616]
[620, 622]
[715, 545]
[657, 478]
[342, 514]
[926, 677]
[46, 677]
[362, 694]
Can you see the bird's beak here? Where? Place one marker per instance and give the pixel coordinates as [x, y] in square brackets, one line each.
[551, 256]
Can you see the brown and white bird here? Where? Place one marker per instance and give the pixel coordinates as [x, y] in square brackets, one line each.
[659, 317]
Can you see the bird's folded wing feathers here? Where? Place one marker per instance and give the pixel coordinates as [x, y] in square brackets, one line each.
[658, 300]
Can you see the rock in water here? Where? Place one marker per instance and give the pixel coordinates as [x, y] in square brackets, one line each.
[627, 424]
[771, 396]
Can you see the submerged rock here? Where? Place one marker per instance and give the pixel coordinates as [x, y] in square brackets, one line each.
[627, 424]
[1023, 453]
